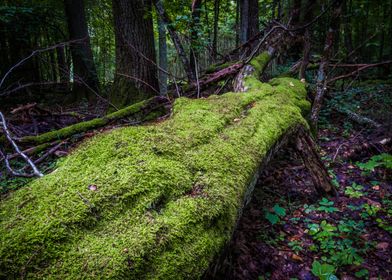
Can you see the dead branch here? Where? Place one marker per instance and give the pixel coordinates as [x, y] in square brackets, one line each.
[36, 172]
[141, 110]
[360, 67]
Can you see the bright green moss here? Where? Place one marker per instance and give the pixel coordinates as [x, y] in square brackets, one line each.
[167, 197]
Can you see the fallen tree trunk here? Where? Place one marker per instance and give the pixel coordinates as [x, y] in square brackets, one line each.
[150, 202]
[145, 110]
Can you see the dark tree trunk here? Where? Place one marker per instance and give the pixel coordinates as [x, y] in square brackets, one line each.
[253, 18]
[308, 16]
[84, 71]
[136, 73]
[162, 57]
[215, 36]
[195, 27]
[62, 65]
[347, 6]
[237, 23]
[244, 6]
[190, 72]
[296, 13]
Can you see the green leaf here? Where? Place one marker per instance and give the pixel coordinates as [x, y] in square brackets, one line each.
[323, 271]
[272, 218]
[279, 210]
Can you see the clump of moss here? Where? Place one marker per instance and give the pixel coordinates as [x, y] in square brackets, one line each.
[165, 197]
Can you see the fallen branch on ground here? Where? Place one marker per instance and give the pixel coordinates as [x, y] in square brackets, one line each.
[7, 134]
[145, 110]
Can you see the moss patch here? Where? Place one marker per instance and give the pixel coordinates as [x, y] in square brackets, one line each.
[165, 196]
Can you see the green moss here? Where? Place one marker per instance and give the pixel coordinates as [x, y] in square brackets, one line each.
[98, 122]
[167, 195]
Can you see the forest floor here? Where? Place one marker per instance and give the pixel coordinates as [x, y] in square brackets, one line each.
[288, 231]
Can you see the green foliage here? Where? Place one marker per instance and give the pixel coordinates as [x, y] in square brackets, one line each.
[354, 191]
[327, 206]
[296, 246]
[323, 271]
[275, 215]
[363, 273]
[381, 160]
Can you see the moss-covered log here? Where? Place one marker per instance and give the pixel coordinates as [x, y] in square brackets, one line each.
[152, 202]
[144, 110]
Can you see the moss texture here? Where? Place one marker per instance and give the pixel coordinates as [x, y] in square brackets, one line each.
[135, 110]
[165, 196]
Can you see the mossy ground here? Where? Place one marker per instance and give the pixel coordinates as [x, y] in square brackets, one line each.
[165, 196]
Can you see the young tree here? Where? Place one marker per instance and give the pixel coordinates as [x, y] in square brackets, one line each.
[162, 57]
[85, 74]
[136, 72]
[195, 27]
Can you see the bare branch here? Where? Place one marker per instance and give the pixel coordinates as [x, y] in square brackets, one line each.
[36, 172]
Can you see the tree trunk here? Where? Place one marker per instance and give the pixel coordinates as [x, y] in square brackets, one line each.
[162, 57]
[347, 28]
[253, 19]
[136, 74]
[194, 30]
[244, 20]
[215, 36]
[190, 72]
[308, 16]
[321, 75]
[84, 71]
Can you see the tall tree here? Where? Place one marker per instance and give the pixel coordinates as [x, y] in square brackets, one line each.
[136, 74]
[190, 72]
[195, 28]
[249, 11]
[162, 57]
[85, 74]
[216, 24]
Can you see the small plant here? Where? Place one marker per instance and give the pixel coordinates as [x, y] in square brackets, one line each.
[275, 215]
[382, 160]
[327, 206]
[323, 271]
[369, 211]
[355, 191]
[363, 273]
[295, 245]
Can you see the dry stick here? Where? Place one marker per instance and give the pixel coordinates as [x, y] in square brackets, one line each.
[360, 69]
[26, 158]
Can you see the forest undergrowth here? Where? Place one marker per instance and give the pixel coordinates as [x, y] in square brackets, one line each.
[288, 231]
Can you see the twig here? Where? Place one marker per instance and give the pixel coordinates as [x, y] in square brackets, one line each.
[359, 69]
[36, 172]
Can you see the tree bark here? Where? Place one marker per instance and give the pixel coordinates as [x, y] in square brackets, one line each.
[84, 70]
[253, 19]
[136, 74]
[244, 5]
[162, 57]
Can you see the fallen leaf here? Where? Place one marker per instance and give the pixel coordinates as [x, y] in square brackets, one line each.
[295, 257]
[291, 84]
[382, 246]
[376, 187]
